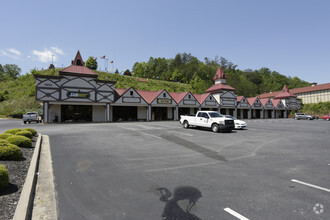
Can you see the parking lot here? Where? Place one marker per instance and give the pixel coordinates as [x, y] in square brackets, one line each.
[275, 169]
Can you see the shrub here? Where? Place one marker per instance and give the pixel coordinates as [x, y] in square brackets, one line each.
[33, 131]
[4, 178]
[3, 141]
[14, 131]
[27, 134]
[20, 141]
[10, 152]
[5, 135]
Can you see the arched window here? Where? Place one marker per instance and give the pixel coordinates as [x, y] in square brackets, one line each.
[79, 63]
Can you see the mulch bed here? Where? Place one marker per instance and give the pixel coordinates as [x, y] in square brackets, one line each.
[17, 171]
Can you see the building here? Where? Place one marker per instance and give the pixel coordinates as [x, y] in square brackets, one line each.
[311, 94]
[76, 95]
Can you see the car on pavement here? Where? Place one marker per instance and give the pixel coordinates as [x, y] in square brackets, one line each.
[239, 124]
[299, 116]
[32, 116]
[326, 117]
[208, 119]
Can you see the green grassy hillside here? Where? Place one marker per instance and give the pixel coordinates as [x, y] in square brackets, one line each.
[21, 91]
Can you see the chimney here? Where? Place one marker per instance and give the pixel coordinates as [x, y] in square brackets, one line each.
[314, 84]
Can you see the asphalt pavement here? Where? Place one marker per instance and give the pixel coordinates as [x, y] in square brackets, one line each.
[275, 169]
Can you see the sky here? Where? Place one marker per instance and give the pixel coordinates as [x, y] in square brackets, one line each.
[291, 37]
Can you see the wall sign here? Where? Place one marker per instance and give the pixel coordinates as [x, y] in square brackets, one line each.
[82, 95]
[164, 101]
[189, 102]
[131, 99]
[210, 103]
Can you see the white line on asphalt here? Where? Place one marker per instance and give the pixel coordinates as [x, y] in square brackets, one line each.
[141, 132]
[311, 185]
[237, 215]
[190, 135]
[179, 167]
[164, 157]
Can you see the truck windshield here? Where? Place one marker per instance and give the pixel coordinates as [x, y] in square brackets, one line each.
[215, 114]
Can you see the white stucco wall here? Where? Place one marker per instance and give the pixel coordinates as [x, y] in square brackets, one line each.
[99, 113]
[142, 113]
[54, 110]
[169, 112]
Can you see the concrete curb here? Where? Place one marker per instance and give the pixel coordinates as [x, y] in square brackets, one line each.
[23, 209]
[44, 206]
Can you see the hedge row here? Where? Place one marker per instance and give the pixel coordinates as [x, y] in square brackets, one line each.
[10, 143]
[4, 178]
[12, 140]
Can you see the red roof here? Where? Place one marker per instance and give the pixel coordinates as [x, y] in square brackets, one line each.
[149, 96]
[251, 100]
[78, 70]
[218, 87]
[121, 91]
[220, 74]
[78, 67]
[298, 90]
[284, 94]
[239, 98]
[201, 97]
[264, 101]
[275, 102]
[311, 88]
[178, 96]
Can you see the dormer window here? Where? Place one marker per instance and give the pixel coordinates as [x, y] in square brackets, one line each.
[189, 96]
[131, 93]
[164, 95]
[210, 98]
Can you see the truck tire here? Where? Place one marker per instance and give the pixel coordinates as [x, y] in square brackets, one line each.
[29, 122]
[24, 122]
[215, 128]
[309, 118]
[185, 124]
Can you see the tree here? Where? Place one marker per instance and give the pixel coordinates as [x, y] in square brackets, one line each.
[116, 72]
[9, 71]
[91, 63]
[127, 73]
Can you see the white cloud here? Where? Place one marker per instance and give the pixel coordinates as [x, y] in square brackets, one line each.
[57, 50]
[11, 52]
[48, 55]
[14, 51]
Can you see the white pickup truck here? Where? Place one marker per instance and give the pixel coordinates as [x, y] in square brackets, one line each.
[32, 116]
[208, 119]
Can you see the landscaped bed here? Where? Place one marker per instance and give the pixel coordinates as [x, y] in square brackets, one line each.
[17, 171]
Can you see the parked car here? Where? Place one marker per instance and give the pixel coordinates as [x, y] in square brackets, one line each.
[32, 116]
[238, 123]
[326, 117]
[208, 119]
[303, 116]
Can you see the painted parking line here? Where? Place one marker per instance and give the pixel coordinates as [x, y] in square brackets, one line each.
[141, 132]
[236, 214]
[180, 167]
[190, 135]
[311, 185]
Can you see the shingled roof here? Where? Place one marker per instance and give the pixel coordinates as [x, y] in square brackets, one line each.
[218, 87]
[284, 94]
[298, 90]
[78, 68]
[220, 74]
